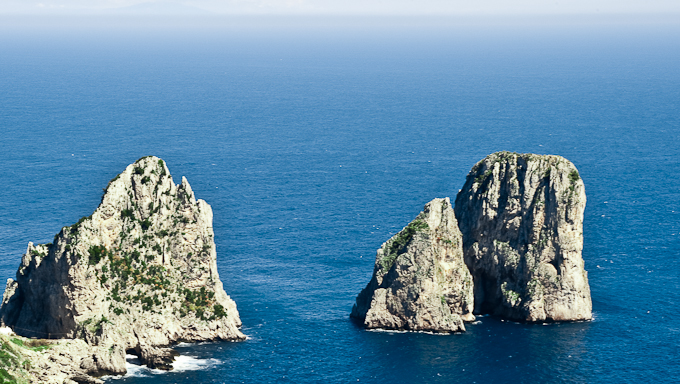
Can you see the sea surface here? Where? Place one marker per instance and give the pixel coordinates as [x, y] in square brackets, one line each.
[314, 145]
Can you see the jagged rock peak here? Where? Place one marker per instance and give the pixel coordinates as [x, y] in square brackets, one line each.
[521, 217]
[139, 274]
[420, 281]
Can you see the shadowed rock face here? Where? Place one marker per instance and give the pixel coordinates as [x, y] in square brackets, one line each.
[138, 274]
[521, 217]
[420, 281]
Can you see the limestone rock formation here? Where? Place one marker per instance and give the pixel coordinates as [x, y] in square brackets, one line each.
[43, 361]
[136, 276]
[521, 216]
[420, 281]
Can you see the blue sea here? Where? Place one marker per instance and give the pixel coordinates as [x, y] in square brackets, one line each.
[316, 142]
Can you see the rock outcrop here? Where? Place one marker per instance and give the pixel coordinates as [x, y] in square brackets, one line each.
[521, 216]
[136, 276]
[420, 281]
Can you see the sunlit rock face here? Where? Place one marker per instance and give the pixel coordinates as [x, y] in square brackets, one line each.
[521, 217]
[511, 247]
[137, 275]
[420, 281]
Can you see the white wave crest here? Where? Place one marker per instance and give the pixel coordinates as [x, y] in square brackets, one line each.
[189, 363]
[408, 331]
[181, 364]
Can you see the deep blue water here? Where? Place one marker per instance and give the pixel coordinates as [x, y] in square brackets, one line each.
[314, 146]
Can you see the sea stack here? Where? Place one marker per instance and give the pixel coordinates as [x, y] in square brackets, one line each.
[420, 281]
[136, 276]
[521, 216]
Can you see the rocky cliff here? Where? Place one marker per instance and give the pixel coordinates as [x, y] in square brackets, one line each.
[420, 281]
[137, 275]
[521, 216]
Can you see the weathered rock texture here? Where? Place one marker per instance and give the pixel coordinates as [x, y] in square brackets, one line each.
[137, 275]
[521, 219]
[420, 281]
[53, 361]
[521, 216]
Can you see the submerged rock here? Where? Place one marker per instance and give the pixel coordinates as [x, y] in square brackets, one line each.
[420, 281]
[139, 274]
[521, 216]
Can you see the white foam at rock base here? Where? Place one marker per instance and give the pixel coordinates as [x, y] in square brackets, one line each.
[181, 364]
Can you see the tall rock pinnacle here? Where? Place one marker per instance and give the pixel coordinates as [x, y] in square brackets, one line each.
[139, 274]
[521, 216]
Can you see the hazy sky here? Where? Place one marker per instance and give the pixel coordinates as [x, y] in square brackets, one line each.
[368, 7]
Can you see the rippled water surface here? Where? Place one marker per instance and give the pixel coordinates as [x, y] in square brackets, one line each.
[315, 146]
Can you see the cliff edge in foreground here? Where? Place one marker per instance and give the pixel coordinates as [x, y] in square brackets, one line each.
[136, 276]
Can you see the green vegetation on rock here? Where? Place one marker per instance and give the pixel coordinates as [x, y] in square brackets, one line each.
[481, 178]
[97, 252]
[15, 362]
[74, 227]
[574, 176]
[399, 241]
[146, 258]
